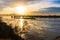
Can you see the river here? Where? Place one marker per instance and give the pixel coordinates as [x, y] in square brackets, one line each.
[39, 28]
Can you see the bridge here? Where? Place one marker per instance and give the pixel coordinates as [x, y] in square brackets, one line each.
[32, 16]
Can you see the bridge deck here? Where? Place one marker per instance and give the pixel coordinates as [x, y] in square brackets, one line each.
[32, 16]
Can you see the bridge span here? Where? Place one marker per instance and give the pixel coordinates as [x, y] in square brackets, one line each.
[31, 16]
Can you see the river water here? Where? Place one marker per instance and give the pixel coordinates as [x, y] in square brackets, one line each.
[39, 28]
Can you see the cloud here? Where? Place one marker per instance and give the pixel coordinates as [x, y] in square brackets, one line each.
[50, 10]
[4, 3]
[33, 5]
[42, 4]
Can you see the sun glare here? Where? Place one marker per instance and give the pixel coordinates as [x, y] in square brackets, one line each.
[20, 9]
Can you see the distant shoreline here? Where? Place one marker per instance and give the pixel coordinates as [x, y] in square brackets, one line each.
[32, 16]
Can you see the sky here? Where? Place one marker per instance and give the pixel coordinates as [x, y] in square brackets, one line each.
[36, 6]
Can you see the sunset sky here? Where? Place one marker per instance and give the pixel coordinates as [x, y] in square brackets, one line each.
[35, 6]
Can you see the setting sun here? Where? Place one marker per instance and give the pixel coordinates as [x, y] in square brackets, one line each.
[20, 9]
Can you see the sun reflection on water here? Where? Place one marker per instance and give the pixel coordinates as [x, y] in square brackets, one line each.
[21, 23]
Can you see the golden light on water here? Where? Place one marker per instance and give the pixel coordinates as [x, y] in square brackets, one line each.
[21, 23]
[20, 10]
